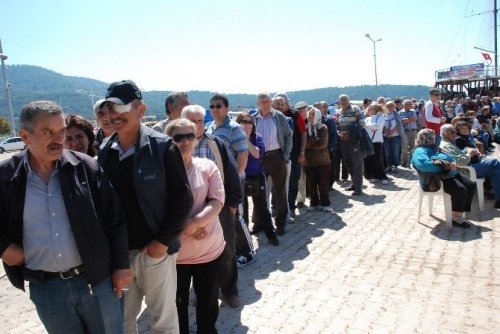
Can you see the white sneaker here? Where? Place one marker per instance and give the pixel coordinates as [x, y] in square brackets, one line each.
[384, 181]
[326, 208]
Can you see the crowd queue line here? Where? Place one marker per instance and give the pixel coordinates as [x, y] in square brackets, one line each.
[96, 221]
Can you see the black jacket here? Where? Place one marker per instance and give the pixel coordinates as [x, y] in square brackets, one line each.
[161, 184]
[93, 209]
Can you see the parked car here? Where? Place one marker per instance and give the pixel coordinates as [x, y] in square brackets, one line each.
[11, 144]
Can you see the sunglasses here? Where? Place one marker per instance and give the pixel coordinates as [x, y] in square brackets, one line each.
[216, 106]
[180, 136]
[246, 121]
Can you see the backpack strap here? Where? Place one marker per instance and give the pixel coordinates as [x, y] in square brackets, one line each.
[218, 159]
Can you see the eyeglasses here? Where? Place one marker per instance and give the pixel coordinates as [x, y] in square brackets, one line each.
[180, 136]
[216, 106]
[246, 121]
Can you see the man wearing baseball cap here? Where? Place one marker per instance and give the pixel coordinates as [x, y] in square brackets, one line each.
[146, 169]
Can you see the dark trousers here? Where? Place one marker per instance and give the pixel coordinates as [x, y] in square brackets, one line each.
[461, 189]
[336, 163]
[206, 287]
[353, 157]
[293, 184]
[374, 164]
[243, 239]
[317, 182]
[275, 166]
[331, 177]
[261, 215]
[228, 270]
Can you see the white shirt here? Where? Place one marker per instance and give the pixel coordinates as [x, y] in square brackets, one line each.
[375, 126]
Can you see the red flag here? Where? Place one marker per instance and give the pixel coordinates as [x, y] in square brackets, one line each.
[486, 56]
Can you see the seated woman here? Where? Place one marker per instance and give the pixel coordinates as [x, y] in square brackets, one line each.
[79, 135]
[317, 161]
[202, 241]
[255, 176]
[427, 159]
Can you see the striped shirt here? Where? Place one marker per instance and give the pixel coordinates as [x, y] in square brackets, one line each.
[349, 116]
[232, 134]
[267, 129]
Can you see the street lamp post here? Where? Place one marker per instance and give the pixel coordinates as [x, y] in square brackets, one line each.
[7, 91]
[374, 55]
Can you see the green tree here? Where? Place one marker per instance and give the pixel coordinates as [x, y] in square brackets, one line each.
[4, 126]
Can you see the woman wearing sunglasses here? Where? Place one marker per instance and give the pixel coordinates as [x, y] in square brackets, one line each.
[202, 241]
[255, 180]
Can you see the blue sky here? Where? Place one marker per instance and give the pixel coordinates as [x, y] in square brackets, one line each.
[246, 46]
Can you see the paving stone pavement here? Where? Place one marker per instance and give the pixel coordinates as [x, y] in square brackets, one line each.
[366, 267]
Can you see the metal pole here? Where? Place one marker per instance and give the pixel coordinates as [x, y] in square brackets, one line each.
[375, 62]
[495, 24]
[7, 92]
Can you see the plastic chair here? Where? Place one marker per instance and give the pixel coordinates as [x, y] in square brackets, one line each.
[471, 173]
[430, 203]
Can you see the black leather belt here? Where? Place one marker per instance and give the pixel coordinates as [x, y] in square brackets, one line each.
[273, 151]
[42, 276]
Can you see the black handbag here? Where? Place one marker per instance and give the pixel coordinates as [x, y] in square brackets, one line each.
[252, 186]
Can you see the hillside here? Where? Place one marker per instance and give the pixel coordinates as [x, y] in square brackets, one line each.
[30, 83]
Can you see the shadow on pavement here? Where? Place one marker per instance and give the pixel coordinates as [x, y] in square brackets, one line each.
[293, 247]
[458, 234]
[369, 199]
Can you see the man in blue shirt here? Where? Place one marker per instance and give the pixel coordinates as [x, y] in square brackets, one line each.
[62, 229]
[409, 120]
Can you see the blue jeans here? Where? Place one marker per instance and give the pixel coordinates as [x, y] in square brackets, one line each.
[490, 168]
[67, 306]
[392, 148]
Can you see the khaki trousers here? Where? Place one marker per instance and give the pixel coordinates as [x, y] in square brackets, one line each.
[154, 279]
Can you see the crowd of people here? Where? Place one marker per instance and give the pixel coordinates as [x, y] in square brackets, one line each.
[96, 220]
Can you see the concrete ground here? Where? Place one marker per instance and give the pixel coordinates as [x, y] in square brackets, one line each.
[366, 267]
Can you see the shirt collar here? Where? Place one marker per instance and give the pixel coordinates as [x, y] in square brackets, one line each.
[259, 115]
[122, 154]
[26, 163]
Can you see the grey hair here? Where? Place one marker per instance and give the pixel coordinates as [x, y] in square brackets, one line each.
[172, 99]
[344, 96]
[32, 110]
[179, 123]
[445, 128]
[283, 95]
[193, 109]
[262, 96]
[406, 101]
